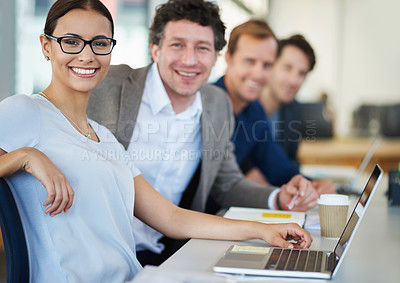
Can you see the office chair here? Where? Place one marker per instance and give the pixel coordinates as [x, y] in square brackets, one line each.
[314, 122]
[390, 120]
[17, 263]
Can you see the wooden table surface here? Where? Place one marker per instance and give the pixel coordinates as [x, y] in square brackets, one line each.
[350, 152]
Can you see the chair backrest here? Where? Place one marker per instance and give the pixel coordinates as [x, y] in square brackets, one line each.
[17, 262]
[390, 120]
[314, 121]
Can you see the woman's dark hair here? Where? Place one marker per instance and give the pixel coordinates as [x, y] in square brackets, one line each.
[203, 12]
[61, 7]
[300, 42]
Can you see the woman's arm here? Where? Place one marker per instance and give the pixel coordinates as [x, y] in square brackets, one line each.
[60, 195]
[175, 222]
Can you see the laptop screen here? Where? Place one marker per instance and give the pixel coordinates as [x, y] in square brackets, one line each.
[357, 213]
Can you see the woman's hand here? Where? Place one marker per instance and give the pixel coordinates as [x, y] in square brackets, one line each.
[60, 194]
[287, 236]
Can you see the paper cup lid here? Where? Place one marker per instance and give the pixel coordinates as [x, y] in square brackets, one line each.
[333, 199]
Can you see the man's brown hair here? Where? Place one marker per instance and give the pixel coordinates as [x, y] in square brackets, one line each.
[255, 27]
[300, 42]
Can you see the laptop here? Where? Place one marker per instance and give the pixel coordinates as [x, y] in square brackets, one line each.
[346, 181]
[351, 186]
[274, 261]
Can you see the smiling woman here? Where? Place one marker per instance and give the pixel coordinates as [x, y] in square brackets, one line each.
[78, 42]
[67, 47]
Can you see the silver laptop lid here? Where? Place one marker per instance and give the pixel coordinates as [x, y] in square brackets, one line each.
[356, 216]
[367, 158]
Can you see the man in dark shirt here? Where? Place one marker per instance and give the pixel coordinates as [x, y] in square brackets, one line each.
[251, 53]
[295, 59]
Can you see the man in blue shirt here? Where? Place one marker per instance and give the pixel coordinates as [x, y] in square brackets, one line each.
[295, 59]
[251, 53]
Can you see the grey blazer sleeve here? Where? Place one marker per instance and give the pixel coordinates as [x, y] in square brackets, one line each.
[229, 187]
[105, 99]
[115, 102]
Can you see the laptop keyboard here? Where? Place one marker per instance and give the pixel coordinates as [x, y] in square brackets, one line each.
[297, 260]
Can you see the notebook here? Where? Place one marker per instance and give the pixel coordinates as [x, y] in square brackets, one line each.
[265, 215]
[272, 261]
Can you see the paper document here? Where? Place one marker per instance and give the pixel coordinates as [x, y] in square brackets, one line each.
[265, 215]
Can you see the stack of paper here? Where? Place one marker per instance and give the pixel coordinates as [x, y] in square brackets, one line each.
[266, 215]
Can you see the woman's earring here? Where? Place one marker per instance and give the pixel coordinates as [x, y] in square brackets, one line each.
[47, 58]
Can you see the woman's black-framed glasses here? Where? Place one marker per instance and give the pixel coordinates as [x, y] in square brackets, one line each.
[75, 45]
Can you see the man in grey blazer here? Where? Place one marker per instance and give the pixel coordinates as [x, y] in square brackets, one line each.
[150, 110]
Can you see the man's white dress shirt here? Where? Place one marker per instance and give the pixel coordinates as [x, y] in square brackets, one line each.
[166, 148]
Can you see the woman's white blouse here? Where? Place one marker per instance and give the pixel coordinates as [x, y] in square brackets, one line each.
[93, 241]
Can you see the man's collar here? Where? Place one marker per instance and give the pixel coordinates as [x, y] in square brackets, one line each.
[154, 92]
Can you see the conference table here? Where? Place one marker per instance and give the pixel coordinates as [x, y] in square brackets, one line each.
[373, 256]
[350, 151]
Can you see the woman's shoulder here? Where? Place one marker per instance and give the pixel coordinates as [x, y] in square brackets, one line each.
[17, 98]
[20, 122]
[21, 99]
[19, 103]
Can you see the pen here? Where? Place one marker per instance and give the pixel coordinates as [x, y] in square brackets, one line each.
[291, 203]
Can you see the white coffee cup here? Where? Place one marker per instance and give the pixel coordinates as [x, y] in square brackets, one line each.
[333, 209]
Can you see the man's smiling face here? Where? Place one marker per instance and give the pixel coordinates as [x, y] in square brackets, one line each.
[185, 57]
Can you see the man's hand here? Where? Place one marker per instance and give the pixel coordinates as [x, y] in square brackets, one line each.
[307, 195]
[324, 186]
